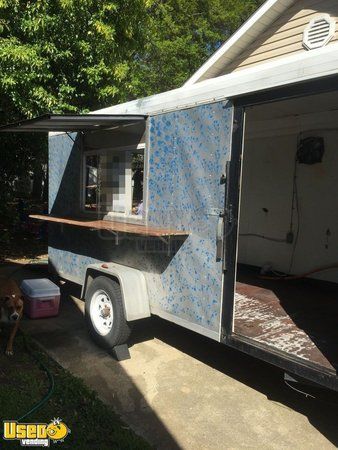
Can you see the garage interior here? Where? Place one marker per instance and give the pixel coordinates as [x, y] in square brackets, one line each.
[287, 272]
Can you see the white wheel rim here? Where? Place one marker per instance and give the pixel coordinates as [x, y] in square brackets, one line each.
[101, 312]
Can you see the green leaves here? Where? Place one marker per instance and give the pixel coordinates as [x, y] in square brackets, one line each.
[181, 36]
[61, 56]
[79, 55]
[83, 54]
[69, 53]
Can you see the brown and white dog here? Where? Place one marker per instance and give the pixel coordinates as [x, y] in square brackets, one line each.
[11, 310]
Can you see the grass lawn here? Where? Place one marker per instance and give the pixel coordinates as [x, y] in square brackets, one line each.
[23, 383]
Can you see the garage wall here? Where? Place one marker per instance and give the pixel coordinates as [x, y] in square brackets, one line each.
[268, 168]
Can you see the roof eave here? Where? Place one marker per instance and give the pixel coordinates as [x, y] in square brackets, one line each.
[266, 14]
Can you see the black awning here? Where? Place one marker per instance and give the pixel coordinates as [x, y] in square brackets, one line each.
[70, 122]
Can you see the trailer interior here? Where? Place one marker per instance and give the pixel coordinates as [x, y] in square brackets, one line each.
[287, 259]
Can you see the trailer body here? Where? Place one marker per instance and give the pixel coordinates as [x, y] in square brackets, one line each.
[186, 252]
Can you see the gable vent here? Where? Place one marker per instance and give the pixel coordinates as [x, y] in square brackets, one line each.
[319, 32]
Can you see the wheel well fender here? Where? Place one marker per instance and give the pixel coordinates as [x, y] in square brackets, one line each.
[132, 284]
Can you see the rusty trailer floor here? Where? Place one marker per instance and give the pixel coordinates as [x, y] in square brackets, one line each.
[297, 317]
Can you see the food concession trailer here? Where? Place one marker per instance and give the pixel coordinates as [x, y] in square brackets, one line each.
[214, 205]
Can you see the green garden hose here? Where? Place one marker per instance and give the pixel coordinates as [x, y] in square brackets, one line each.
[43, 367]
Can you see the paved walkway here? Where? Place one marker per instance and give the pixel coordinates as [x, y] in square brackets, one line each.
[180, 390]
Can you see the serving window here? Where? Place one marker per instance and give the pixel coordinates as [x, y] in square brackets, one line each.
[113, 181]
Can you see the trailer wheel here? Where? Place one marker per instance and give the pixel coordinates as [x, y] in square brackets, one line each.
[104, 313]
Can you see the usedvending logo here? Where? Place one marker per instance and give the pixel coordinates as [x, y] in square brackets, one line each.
[36, 434]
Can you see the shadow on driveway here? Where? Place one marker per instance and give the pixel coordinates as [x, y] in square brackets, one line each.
[181, 390]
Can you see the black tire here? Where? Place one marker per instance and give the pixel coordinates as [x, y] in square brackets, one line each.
[120, 330]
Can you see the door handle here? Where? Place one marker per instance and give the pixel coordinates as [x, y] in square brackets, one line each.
[224, 217]
[219, 238]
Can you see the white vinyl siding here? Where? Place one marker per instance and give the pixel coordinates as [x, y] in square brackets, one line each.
[285, 36]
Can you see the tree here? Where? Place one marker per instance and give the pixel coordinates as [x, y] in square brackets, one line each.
[66, 55]
[61, 56]
[182, 34]
[79, 55]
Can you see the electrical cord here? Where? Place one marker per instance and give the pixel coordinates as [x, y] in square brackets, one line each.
[310, 396]
[294, 206]
[307, 395]
[262, 237]
[303, 275]
[43, 367]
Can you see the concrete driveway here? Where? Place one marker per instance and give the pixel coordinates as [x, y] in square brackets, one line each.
[180, 390]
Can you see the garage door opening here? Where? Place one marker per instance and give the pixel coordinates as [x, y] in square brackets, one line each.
[287, 272]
